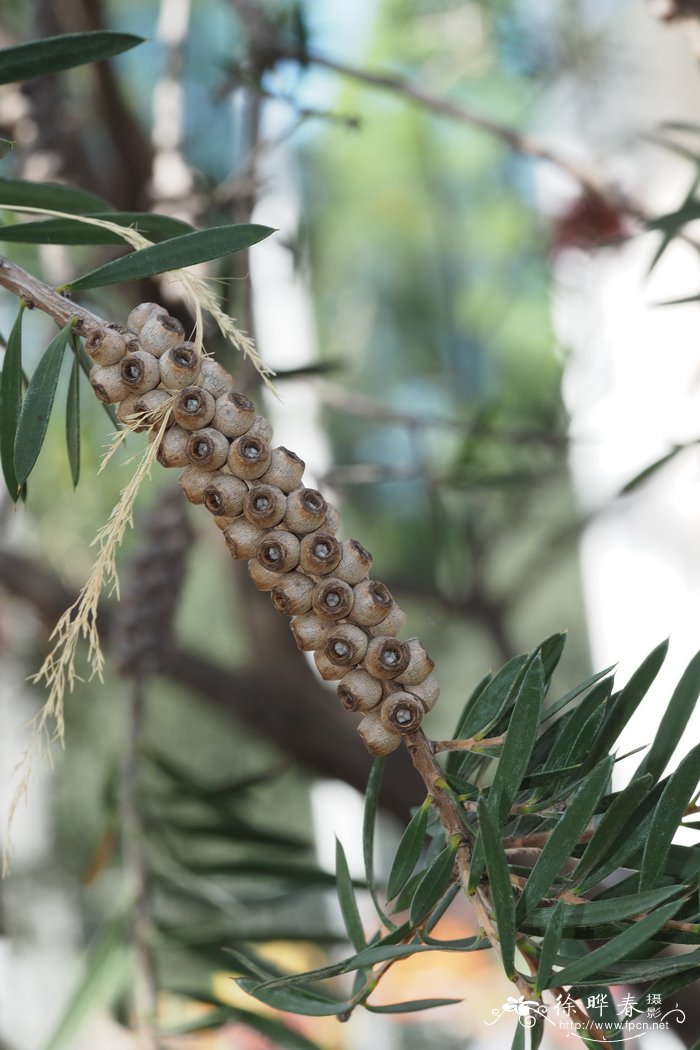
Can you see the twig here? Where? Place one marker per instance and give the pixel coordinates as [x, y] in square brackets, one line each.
[468, 744]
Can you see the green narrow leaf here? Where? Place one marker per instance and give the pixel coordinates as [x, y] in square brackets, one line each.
[563, 701]
[550, 947]
[674, 721]
[604, 911]
[73, 421]
[72, 231]
[346, 899]
[551, 650]
[369, 820]
[494, 700]
[627, 701]
[56, 53]
[618, 948]
[518, 1037]
[275, 1031]
[564, 837]
[503, 903]
[612, 823]
[434, 881]
[10, 404]
[678, 792]
[38, 401]
[6, 146]
[176, 253]
[456, 762]
[50, 195]
[408, 850]
[411, 1006]
[575, 727]
[298, 1001]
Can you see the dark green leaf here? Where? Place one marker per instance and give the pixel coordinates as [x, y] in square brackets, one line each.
[648, 472]
[346, 899]
[406, 895]
[56, 53]
[50, 195]
[461, 763]
[564, 837]
[298, 1001]
[38, 401]
[674, 721]
[72, 231]
[551, 650]
[408, 850]
[6, 146]
[411, 1006]
[10, 404]
[653, 969]
[623, 706]
[602, 912]
[576, 729]
[566, 699]
[602, 959]
[369, 820]
[518, 1038]
[176, 253]
[503, 903]
[434, 881]
[73, 421]
[275, 1031]
[680, 788]
[494, 700]
[612, 824]
[550, 947]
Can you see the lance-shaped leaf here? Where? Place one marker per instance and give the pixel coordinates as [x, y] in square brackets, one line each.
[56, 53]
[674, 721]
[627, 701]
[494, 700]
[346, 899]
[434, 881]
[11, 404]
[411, 1006]
[276, 1032]
[603, 912]
[174, 254]
[72, 231]
[369, 820]
[518, 1038]
[576, 729]
[408, 850]
[296, 1001]
[679, 790]
[551, 650]
[563, 701]
[37, 405]
[564, 837]
[73, 421]
[604, 959]
[499, 878]
[613, 822]
[550, 946]
[50, 195]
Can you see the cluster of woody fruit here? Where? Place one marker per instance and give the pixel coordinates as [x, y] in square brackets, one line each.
[285, 531]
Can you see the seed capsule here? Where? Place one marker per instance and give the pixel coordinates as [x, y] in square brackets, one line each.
[265, 506]
[328, 671]
[419, 667]
[107, 345]
[261, 428]
[331, 522]
[234, 414]
[108, 384]
[139, 315]
[144, 410]
[249, 457]
[207, 449]
[159, 332]
[180, 366]
[332, 599]
[359, 690]
[214, 377]
[393, 622]
[309, 632]
[376, 737]
[345, 646]
[372, 602]
[387, 657]
[306, 511]
[401, 713]
[427, 692]
[139, 372]
[242, 538]
[285, 471]
[193, 408]
[172, 451]
[263, 579]
[224, 495]
[355, 562]
[292, 594]
[320, 553]
[194, 482]
[279, 551]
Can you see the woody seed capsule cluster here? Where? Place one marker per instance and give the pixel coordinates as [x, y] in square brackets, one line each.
[286, 531]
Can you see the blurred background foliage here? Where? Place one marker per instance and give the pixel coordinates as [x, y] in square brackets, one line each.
[418, 250]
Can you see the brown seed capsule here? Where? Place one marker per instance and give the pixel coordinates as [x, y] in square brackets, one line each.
[285, 471]
[376, 737]
[359, 691]
[249, 457]
[193, 408]
[346, 645]
[262, 428]
[172, 451]
[215, 378]
[224, 495]
[328, 671]
[320, 553]
[355, 562]
[372, 602]
[242, 538]
[139, 315]
[234, 414]
[139, 372]
[420, 665]
[387, 657]
[331, 522]
[306, 511]
[180, 366]
[332, 599]
[159, 332]
[279, 551]
[126, 410]
[309, 632]
[107, 345]
[427, 692]
[292, 594]
[401, 713]
[263, 579]
[265, 506]
[194, 482]
[108, 384]
[393, 622]
[141, 412]
[207, 449]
